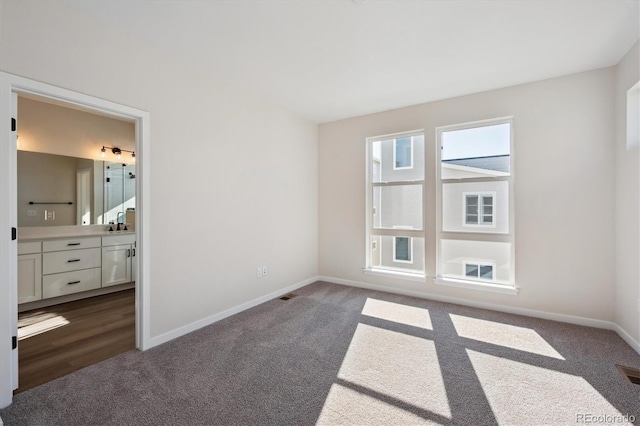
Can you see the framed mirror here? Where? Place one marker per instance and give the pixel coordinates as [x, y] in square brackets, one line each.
[56, 190]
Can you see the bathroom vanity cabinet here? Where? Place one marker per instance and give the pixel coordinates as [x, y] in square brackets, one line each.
[51, 268]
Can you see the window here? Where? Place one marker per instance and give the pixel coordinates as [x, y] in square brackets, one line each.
[403, 153]
[478, 271]
[478, 209]
[395, 219]
[475, 218]
[402, 249]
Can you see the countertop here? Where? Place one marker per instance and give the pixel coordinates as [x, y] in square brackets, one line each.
[39, 233]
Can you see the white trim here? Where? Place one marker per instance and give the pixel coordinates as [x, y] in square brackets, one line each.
[409, 249]
[421, 278]
[476, 285]
[189, 328]
[410, 166]
[10, 84]
[417, 132]
[626, 337]
[479, 123]
[569, 319]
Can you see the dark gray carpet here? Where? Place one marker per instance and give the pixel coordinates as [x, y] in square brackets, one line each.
[342, 355]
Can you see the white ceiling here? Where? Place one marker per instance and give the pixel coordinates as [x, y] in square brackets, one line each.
[328, 60]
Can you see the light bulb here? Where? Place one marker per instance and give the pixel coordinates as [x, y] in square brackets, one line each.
[103, 152]
[118, 156]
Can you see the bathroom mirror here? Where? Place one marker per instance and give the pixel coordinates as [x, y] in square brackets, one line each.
[58, 190]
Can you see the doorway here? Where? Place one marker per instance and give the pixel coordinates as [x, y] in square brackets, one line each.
[10, 87]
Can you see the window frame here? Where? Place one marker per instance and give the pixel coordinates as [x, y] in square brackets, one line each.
[493, 266]
[370, 231]
[485, 235]
[481, 195]
[395, 141]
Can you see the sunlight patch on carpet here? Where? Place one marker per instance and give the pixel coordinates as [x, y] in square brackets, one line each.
[396, 365]
[346, 406]
[509, 336]
[39, 323]
[396, 312]
[518, 391]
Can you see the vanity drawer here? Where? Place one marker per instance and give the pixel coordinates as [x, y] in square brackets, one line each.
[71, 260]
[116, 240]
[71, 282]
[29, 248]
[70, 244]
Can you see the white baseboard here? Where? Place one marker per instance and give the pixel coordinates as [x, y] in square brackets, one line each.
[165, 337]
[589, 322]
[627, 337]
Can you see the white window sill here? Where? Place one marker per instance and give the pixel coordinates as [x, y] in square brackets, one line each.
[395, 274]
[496, 288]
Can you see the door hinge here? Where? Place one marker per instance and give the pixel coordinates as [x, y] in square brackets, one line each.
[14, 233]
[13, 124]
[14, 342]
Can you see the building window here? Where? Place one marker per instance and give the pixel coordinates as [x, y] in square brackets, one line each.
[478, 209]
[395, 219]
[403, 153]
[475, 167]
[402, 247]
[479, 271]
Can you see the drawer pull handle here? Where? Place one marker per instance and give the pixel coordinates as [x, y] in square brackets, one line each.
[73, 244]
[73, 282]
[128, 252]
[73, 260]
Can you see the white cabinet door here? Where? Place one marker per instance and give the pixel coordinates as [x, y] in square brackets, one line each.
[116, 265]
[29, 277]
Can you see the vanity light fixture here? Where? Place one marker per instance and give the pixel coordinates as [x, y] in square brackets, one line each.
[117, 152]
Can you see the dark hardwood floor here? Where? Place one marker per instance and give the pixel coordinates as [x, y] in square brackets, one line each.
[61, 339]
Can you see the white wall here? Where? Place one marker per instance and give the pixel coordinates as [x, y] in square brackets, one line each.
[564, 175]
[233, 178]
[627, 268]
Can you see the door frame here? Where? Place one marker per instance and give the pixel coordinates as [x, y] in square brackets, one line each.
[9, 84]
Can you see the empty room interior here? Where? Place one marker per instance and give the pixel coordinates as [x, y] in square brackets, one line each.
[348, 212]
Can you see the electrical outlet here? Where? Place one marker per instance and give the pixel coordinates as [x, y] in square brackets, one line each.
[264, 270]
[259, 272]
[49, 215]
[31, 213]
